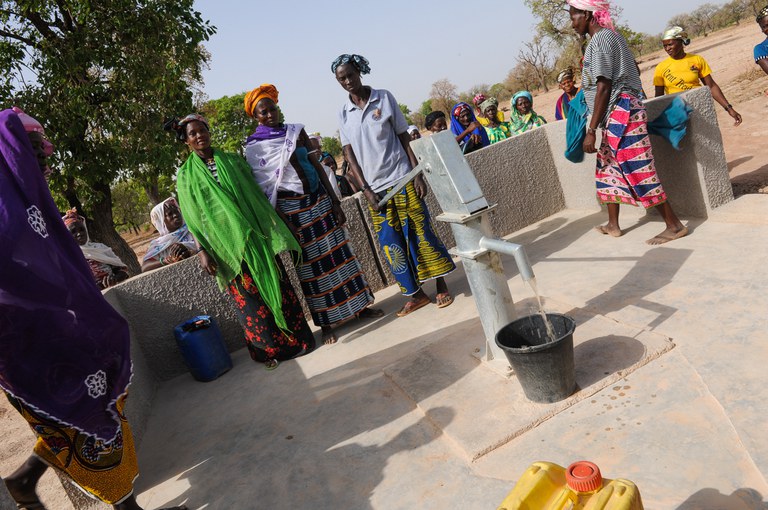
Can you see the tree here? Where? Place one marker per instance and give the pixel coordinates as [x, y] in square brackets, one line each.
[130, 204]
[101, 76]
[229, 123]
[537, 56]
[443, 95]
[332, 145]
[554, 21]
[406, 112]
[426, 107]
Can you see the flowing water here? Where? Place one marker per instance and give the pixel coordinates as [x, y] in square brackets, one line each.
[548, 325]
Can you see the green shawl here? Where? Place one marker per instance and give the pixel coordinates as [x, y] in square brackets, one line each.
[522, 123]
[235, 223]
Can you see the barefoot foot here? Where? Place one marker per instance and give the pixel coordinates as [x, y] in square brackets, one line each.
[329, 336]
[610, 230]
[370, 313]
[670, 234]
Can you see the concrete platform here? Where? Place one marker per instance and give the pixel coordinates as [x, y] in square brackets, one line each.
[671, 350]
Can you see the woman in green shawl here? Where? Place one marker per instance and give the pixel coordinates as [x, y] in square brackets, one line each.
[522, 118]
[240, 235]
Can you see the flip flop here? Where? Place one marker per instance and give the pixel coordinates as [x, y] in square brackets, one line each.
[411, 307]
[271, 364]
[445, 303]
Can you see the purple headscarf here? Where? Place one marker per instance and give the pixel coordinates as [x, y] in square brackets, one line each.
[64, 351]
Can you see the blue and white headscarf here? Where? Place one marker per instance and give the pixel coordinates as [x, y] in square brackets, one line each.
[357, 61]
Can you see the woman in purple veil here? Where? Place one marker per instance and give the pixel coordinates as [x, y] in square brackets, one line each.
[64, 351]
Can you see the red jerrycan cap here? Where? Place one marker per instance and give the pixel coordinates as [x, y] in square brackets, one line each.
[583, 476]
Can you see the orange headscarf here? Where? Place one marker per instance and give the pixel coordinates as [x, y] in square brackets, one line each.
[253, 97]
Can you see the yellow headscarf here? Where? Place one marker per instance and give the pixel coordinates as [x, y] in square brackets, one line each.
[253, 97]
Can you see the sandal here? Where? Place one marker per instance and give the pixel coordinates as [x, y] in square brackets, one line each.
[271, 364]
[443, 299]
[412, 306]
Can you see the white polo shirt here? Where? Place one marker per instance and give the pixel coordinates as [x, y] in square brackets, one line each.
[373, 134]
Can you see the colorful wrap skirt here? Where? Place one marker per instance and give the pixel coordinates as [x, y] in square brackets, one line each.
[412, 249]
[264, 339]
[331, 277]
[626, 172]
[103, 470]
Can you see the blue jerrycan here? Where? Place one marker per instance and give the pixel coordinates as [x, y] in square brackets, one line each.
[204, 351]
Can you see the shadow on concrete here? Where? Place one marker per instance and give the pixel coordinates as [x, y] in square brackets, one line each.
[712, 499]
[612, 354]
[750, 183]
[738, 161]
[653, 271]
[259, 439]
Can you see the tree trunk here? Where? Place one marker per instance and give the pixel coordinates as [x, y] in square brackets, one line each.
[102, 229]
[151, 189]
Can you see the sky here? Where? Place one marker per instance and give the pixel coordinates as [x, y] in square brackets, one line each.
[409, 44]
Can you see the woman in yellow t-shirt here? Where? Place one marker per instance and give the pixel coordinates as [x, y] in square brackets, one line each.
[685, 71]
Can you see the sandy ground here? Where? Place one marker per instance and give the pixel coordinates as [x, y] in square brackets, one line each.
[729, 53]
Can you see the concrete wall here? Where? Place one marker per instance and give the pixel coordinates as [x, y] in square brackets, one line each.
[526, 175]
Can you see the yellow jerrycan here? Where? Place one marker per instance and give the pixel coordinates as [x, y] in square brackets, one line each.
[580, 486]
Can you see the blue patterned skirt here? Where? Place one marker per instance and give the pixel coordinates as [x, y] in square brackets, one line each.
[331, 277]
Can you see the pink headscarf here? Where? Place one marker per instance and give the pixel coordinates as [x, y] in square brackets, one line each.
[31, 125]
[601, 10]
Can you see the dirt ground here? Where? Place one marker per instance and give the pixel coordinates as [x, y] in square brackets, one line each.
[729, 54]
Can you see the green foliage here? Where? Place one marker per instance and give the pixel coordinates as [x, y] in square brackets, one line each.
[332, 145]
[426, 107]
[131, 205]
[101, 76]
[230, 125]
[406, 112]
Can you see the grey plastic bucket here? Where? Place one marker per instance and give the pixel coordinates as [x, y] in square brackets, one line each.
[545, 369]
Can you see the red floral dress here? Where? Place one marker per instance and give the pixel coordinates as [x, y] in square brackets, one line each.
[264, 339]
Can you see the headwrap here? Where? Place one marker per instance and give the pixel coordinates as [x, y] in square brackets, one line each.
[180, 126]
[478, 99]
[74, 365]
[357, 61]
[252, 98]
[491, 101]
[457, 128]
[762, 14]
[412, 128]
[601, 10]
[72, 216]
[235, 223]
[518, 95]
[676, 33]
[430, 119]
[180, 236]
[92, 251]
[31, 125]
[566, 73]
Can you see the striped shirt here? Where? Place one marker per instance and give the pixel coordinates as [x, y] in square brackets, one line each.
[609, 56]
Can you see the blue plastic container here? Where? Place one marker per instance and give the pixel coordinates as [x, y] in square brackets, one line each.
[204, 351]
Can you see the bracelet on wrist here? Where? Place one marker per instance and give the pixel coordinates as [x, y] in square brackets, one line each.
[367, 187]
[729, 106]
[591, 131]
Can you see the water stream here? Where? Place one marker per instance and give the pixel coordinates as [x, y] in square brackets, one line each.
[548, 325]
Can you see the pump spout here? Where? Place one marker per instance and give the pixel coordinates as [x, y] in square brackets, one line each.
[516, 250]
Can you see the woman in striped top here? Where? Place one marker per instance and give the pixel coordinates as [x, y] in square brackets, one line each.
[626, 172]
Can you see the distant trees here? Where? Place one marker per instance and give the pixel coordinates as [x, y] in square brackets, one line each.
[229, 123]
[332, 145]
[443, 95]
